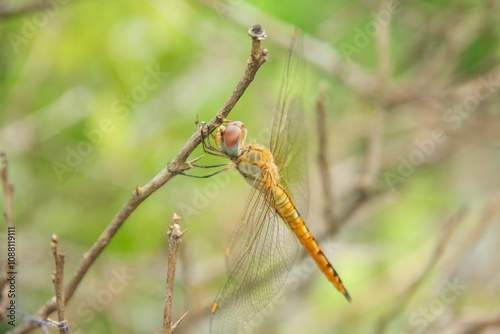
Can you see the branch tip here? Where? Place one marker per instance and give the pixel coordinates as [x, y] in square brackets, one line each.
[174, 230]
[179, 321]
[192, 162]
[174, 241]
[257, 32]
[259, 56]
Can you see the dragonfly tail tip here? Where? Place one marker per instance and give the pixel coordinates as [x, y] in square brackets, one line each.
[347, 296]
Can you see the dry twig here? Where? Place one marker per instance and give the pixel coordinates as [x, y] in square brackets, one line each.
[323, 162]
[479, 324]
[363, 192]
[257, 59]
[319, 53]
[441, 244]
[374, 156]
[36, 5]
[57, 279]
[174, 241]
[8, 190]
[491, 214]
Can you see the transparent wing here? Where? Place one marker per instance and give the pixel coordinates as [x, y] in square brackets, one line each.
[261, 254]
[288, 138]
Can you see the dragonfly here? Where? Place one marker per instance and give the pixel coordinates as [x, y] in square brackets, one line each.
[264, 244]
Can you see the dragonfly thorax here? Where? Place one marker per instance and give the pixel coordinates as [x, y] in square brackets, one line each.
[254, 161]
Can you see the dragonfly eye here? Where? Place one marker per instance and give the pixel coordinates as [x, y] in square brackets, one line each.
[231, 135]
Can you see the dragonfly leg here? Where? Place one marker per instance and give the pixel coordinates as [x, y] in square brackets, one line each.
[208, 148]
[207, 144]
[211, 166]
[230, 166]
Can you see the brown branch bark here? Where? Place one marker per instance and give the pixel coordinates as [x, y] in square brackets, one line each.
[398, 308]
[478, 324]
[174, 241]
[323, 162]
[58, 280]
[364, 191]
[11, 11]
[473, 237]
[8, 190]
[257, 59]
[374, 156]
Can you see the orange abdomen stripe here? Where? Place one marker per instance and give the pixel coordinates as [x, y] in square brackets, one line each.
[290, 215]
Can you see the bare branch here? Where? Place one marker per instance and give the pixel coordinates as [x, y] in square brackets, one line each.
[57, 279]
[442, 242]
[374, 156]
[490, 216]
[360, 198]
[8, 190]
[373, 159]
[11, 11]
[479, 324]
[321, 54]
[257, 59]
[323, 162]
[174, 241]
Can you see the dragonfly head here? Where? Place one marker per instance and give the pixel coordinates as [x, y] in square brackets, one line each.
[233, 138]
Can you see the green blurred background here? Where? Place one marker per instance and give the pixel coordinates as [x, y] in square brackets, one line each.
[97, 96]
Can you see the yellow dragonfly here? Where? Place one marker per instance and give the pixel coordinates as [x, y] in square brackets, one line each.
[264, 245]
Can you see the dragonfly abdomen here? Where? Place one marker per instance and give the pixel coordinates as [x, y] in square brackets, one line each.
[286, 209]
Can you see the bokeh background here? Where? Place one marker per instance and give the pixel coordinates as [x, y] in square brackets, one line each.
[97, 96]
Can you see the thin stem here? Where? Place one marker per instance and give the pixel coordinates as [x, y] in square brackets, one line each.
[373, 160]
[323, 162]
[174, 241]
[8, 190]
[58, 279]
[36, 5]
[445, 236]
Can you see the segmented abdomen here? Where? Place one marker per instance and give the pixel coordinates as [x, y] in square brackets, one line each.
[291, 216]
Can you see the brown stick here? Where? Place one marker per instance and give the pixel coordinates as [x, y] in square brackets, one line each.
[174, 241]
[478, 324]
[57, 279]
[36, 5]
[363, 191]
[257, 59]
[323, 162]
[446, 233]
[373, 159]
[8, 190]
